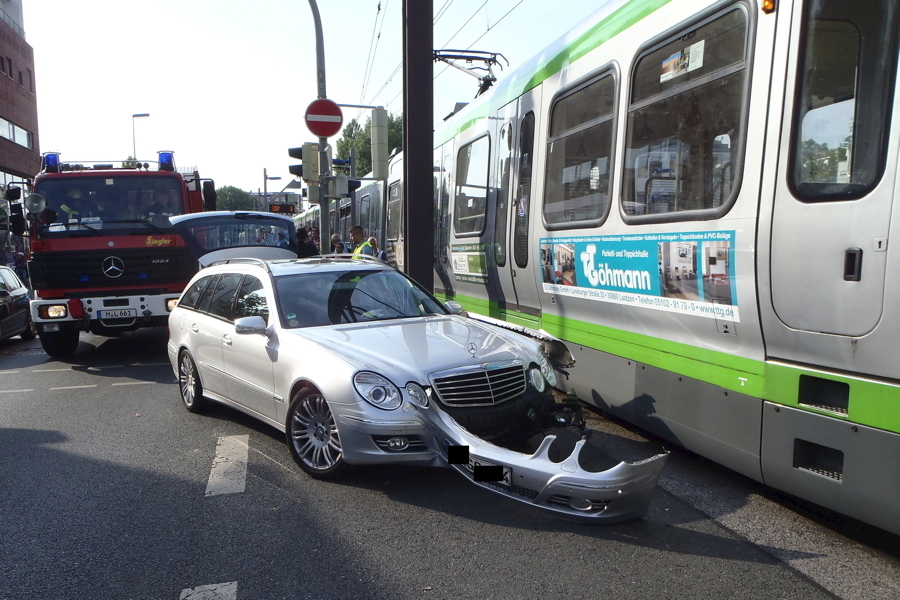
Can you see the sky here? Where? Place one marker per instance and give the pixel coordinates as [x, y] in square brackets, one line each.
[226, 83]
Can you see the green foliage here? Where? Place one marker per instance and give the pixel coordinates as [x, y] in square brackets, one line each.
[232, 198]
[359, 138]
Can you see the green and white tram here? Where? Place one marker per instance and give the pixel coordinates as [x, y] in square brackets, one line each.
[697, 196]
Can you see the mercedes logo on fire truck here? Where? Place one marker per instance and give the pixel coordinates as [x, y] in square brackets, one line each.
[113, 267]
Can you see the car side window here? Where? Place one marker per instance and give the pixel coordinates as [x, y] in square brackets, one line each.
[5, 282]
[192, 294]
[223, 295]
[206, 296]
[251, 300]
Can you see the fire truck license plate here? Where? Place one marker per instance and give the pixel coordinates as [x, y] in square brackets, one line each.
[120, 313]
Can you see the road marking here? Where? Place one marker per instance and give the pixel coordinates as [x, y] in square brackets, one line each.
[8, 372]
[50, 370]
[73, 387]
[15, 391]
[135, 383]
[229, 470]
[216, 591]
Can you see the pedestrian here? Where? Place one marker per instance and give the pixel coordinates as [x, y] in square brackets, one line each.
[360, 244]
[379, 254]
[304, 246]
[335, 240]
[314, 238]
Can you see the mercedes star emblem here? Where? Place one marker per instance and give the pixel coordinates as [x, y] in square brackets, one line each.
[113, 267]
[472, 348]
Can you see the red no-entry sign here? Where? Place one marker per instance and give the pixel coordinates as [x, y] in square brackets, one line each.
[324, 118]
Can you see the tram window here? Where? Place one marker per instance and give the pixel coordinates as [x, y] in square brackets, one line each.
[471, 187]
[394, 213]
[579, 154]
[686, 121]
[843, 107]
[505, 147]
[523, 198]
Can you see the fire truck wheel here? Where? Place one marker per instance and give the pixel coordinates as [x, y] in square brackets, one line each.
[60, 344]
[189, 384]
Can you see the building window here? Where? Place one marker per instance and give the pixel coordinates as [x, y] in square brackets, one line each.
[30, 81]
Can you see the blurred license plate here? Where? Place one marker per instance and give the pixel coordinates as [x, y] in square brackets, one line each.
[507, 472]
[119, 313]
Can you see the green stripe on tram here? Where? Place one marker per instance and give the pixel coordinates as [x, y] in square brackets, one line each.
[872, 403]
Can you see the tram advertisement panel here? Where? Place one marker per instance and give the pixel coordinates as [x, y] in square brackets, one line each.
[469, 263]
[689, 273]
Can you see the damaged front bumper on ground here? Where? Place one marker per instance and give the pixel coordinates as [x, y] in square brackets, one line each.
[620, 493]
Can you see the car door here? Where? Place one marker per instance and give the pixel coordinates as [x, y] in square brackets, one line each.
[249, 358]
[13, 304]
[209, 327]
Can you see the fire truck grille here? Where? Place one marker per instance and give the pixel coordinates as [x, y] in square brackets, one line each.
[481, 387]
[120, 267]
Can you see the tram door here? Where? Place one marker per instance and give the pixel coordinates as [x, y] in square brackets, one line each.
[523, 206]
[834, 193]
[500, 279]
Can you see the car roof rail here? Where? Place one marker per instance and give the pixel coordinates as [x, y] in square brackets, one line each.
[242, 259]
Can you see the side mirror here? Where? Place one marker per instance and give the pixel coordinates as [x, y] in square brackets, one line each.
[209, 195]
[16, 219]
[455, 308]
[13, 193]
[250, 325]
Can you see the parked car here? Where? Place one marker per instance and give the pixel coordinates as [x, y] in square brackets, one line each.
[357, 364]
[15, 315]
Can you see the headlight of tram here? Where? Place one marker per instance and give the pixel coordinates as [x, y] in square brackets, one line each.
[548, 371]
[377, 390]
[53, 311]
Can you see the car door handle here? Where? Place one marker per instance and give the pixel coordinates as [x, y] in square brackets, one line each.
[195, 328]
[853, 264]
[226, 340]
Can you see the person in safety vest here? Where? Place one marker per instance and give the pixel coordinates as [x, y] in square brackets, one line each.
[360, 244]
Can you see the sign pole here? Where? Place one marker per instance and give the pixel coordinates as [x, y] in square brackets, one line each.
[324, 212]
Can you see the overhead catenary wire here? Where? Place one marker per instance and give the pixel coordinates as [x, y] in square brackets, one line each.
[373, 49]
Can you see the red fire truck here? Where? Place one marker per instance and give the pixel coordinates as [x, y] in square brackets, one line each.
[104, 257]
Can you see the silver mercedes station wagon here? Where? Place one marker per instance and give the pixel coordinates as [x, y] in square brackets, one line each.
[357, 364]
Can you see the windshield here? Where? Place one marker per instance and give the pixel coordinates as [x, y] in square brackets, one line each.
[95, 203]
[315, 299]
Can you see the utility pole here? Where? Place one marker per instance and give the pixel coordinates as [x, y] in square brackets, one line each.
[324, 167]
[418, 138]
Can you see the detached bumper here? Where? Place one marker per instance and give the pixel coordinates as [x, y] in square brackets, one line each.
[618, 494]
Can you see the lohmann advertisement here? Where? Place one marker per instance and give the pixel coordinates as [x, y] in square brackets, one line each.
[689, 273]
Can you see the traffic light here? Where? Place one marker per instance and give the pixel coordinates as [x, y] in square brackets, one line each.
[309, 154]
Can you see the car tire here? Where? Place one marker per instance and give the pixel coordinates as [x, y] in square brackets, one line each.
[30, 332]
[189, 385]
[60, 344]
[312, 436]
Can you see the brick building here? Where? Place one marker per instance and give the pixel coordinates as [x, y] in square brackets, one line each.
[19, 149]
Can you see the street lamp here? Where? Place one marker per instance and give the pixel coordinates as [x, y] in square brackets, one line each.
[266, 180]
[133, 142]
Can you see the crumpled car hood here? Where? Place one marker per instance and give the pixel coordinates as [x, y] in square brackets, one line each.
[421, 345]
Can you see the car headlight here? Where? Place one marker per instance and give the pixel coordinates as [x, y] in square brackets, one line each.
[548, 371]
[537, 379]
[377, 390]
[417, 395]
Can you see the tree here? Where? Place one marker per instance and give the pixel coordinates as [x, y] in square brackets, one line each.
[359, 138]
[232, 198]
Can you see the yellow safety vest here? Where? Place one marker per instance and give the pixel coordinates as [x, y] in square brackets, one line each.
[358, 249]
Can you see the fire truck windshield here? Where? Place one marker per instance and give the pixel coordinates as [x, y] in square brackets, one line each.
[103, 205]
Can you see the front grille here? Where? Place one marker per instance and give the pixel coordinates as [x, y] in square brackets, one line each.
[518, 490]
[141, 268]
[492, 384]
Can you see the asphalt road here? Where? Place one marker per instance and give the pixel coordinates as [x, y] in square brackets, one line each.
[104, 493]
